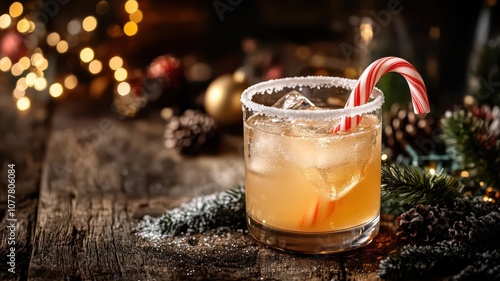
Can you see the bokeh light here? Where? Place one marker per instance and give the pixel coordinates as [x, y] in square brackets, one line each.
[89, 23]
[95, 66]
[23, 26]
[102, 7]
[30, 79]
[16, 9]
[37, 59]
[53, 38]
[5, 64]
[56, 90]
[120, 74]
[18, 93]
[25, 62]
[87, 54]
[70, 82]
[123, 88]
[32, 27]
[131, 6]
[62, 46]
[21, 84]
[23, 103]
[130, 28]
[5, 21]
[17, 69]
[115, 62]
[74, 26]
[43, 65]
[136, 16]
[40, 84]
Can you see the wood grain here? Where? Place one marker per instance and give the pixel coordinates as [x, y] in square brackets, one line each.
[22, 142]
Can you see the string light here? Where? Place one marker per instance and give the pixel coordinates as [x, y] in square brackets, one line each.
[131, 6]
[16, 9]
[36, 63]
[74, 27]
[89, 23]
[123, 88]
[17, 69]
[5, 64]
[40, 84]
[23, 26]
[30, 79]
[95, 66]
[70, 82]
[18, 93]
[23, 103]
[43, 65]
[115, 62]
[31, 26]
[5, 21]
[37, 59]
[25, 62]
[53, 38]
[432, 171]
[21, 84]
[120, 74]
[87, 54]
[62, 47]
[130, 28]
[136, 16]
[464, 174]
[56, 90]
[384, 157]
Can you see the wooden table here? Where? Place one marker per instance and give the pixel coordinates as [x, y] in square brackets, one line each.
[84, 180]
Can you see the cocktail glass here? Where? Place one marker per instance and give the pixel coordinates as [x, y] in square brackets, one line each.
[310, 189]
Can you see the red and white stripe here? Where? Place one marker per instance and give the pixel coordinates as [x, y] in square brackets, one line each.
[369, 78]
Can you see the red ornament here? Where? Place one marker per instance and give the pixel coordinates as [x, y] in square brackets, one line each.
[165, 67]
[13, 46]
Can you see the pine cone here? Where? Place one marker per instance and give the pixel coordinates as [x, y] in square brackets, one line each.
[423, 225]
[191, 133]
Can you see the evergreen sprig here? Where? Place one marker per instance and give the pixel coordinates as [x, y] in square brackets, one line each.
[405, 186]
[473, 142]
[223, 209]
[226, 208]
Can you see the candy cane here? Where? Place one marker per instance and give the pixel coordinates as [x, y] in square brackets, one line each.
[372, 74]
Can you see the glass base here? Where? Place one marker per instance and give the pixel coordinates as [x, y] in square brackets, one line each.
[314, 242]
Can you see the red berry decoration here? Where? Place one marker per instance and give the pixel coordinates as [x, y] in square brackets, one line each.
[165, 67]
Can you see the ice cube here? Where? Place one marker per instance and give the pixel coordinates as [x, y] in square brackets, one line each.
[293, 100]
[262, 143]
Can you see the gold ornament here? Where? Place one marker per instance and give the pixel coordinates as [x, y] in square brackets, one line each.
[222, 99]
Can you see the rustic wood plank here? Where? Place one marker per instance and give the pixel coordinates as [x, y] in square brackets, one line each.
[101, 175]
[22, 142]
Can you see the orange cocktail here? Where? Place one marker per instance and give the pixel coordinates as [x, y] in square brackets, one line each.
[308, 189]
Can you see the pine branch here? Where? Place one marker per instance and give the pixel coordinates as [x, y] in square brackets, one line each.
[419, 261]
[473, 142]
[405, 186]
[485, 267]
[224, 209]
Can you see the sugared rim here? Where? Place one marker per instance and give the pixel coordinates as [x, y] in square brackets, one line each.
[272, 86]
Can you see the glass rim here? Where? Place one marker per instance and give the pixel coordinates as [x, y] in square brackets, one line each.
[272, 86]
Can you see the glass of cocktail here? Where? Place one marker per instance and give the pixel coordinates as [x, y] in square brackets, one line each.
[311, 189]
